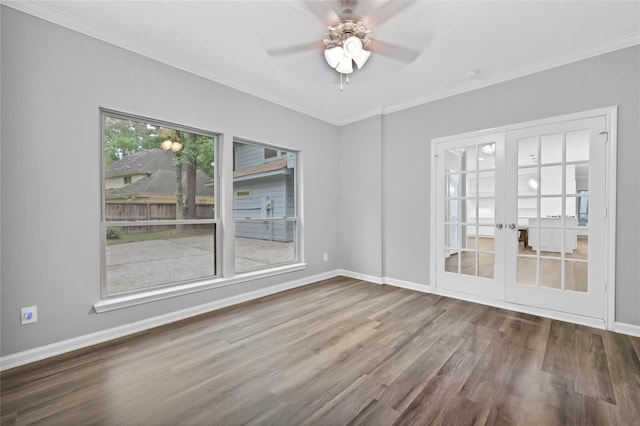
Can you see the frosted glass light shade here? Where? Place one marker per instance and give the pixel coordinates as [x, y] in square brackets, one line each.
[333, 56]
[352, 47]
[345, 66]
[362, 58]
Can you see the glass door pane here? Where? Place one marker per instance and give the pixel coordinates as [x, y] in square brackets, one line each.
[550, 191]
[470, 182]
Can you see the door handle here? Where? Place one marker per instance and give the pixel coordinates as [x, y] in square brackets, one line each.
[512, 226]
[499, 225]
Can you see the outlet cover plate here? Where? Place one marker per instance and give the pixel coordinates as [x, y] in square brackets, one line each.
[29, 315]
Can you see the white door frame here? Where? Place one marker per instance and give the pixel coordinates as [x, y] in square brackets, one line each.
[611, 115]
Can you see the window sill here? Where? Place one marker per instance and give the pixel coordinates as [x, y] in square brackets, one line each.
[125, 301]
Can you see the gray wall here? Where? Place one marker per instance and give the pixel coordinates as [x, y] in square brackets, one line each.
[53, 81]
[611, 79]
[360, 213]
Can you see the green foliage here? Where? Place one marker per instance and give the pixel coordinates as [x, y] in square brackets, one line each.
[113, 233]
[197, 150]
[124, 137]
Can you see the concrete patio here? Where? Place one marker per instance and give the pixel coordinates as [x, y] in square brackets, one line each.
[138, 265]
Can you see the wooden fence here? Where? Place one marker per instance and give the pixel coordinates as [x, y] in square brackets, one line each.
[149, 211]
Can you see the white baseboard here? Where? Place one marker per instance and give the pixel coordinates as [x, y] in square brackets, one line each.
[624, 328]
[532, 310]
[359, 276]
[424, 288]
[64, 346]
[68, 345]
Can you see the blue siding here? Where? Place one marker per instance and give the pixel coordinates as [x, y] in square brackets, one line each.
[271, 197]
[250, 155]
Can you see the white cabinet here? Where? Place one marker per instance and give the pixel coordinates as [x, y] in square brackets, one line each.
[551, 234]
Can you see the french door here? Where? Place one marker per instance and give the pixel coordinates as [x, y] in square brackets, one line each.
[520, 216]
[556, 202]
[470, 244]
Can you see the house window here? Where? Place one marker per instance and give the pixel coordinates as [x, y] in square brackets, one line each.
[159, 230]
[270, 153]
[266, 220]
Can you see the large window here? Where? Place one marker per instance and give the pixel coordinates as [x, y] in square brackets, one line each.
[264, 206]
[159, 208]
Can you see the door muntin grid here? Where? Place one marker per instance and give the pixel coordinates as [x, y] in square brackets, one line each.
[470, 205]
[552, 210]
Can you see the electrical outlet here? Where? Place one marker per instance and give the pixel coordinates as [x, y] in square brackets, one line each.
[29, 315]
[326, 257]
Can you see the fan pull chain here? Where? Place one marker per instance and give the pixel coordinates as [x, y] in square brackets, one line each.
[341, 86]
[347, 79]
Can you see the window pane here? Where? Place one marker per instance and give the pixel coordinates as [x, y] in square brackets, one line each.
[162, 173]
[487, 156]
[487, 184]
[140, 257]
[528, 151]
[469, 237]
[156, 173]
[486, 264]
[551, 207]
[578, 146]
[526, 268]
[486, 238]
[550, 273]
[470, 157]
[577, 276]
[551, 148]
[261, 244]
[528, 181]
[452, 189]
[451, 211]
[470, 211]
[551, 180]
[451, 261]
[268, 195]
[470, 187]
[527, 210]
[486, 211]
[468, 263]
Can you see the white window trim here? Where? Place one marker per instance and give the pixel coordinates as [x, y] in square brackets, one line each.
[125, 301]
[224, 221]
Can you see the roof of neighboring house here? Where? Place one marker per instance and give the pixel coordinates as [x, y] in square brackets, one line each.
[160, 169]
[260, 168]
[147, 161]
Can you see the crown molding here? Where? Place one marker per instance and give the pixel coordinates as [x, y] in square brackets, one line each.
[523, 71]
[44, 11]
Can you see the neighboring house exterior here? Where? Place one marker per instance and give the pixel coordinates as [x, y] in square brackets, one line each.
[150, 177]
[263, 187]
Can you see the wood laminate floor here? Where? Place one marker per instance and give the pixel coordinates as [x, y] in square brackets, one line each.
[335, 353]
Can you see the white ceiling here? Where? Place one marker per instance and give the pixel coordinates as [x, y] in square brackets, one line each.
[227, 41]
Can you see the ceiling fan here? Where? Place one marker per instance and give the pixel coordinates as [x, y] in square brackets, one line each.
[348, 39]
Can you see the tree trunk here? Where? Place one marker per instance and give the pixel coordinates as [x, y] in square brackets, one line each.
[191, 181]
[179, 192]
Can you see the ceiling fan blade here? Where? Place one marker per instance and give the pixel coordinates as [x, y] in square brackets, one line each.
[321, 9]
[385, 12]
[394, 51]
[296, 48]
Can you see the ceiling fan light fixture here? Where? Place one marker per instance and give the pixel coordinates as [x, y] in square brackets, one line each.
[362, 58]
[352, 47]
[345, 66]
[333, 56]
